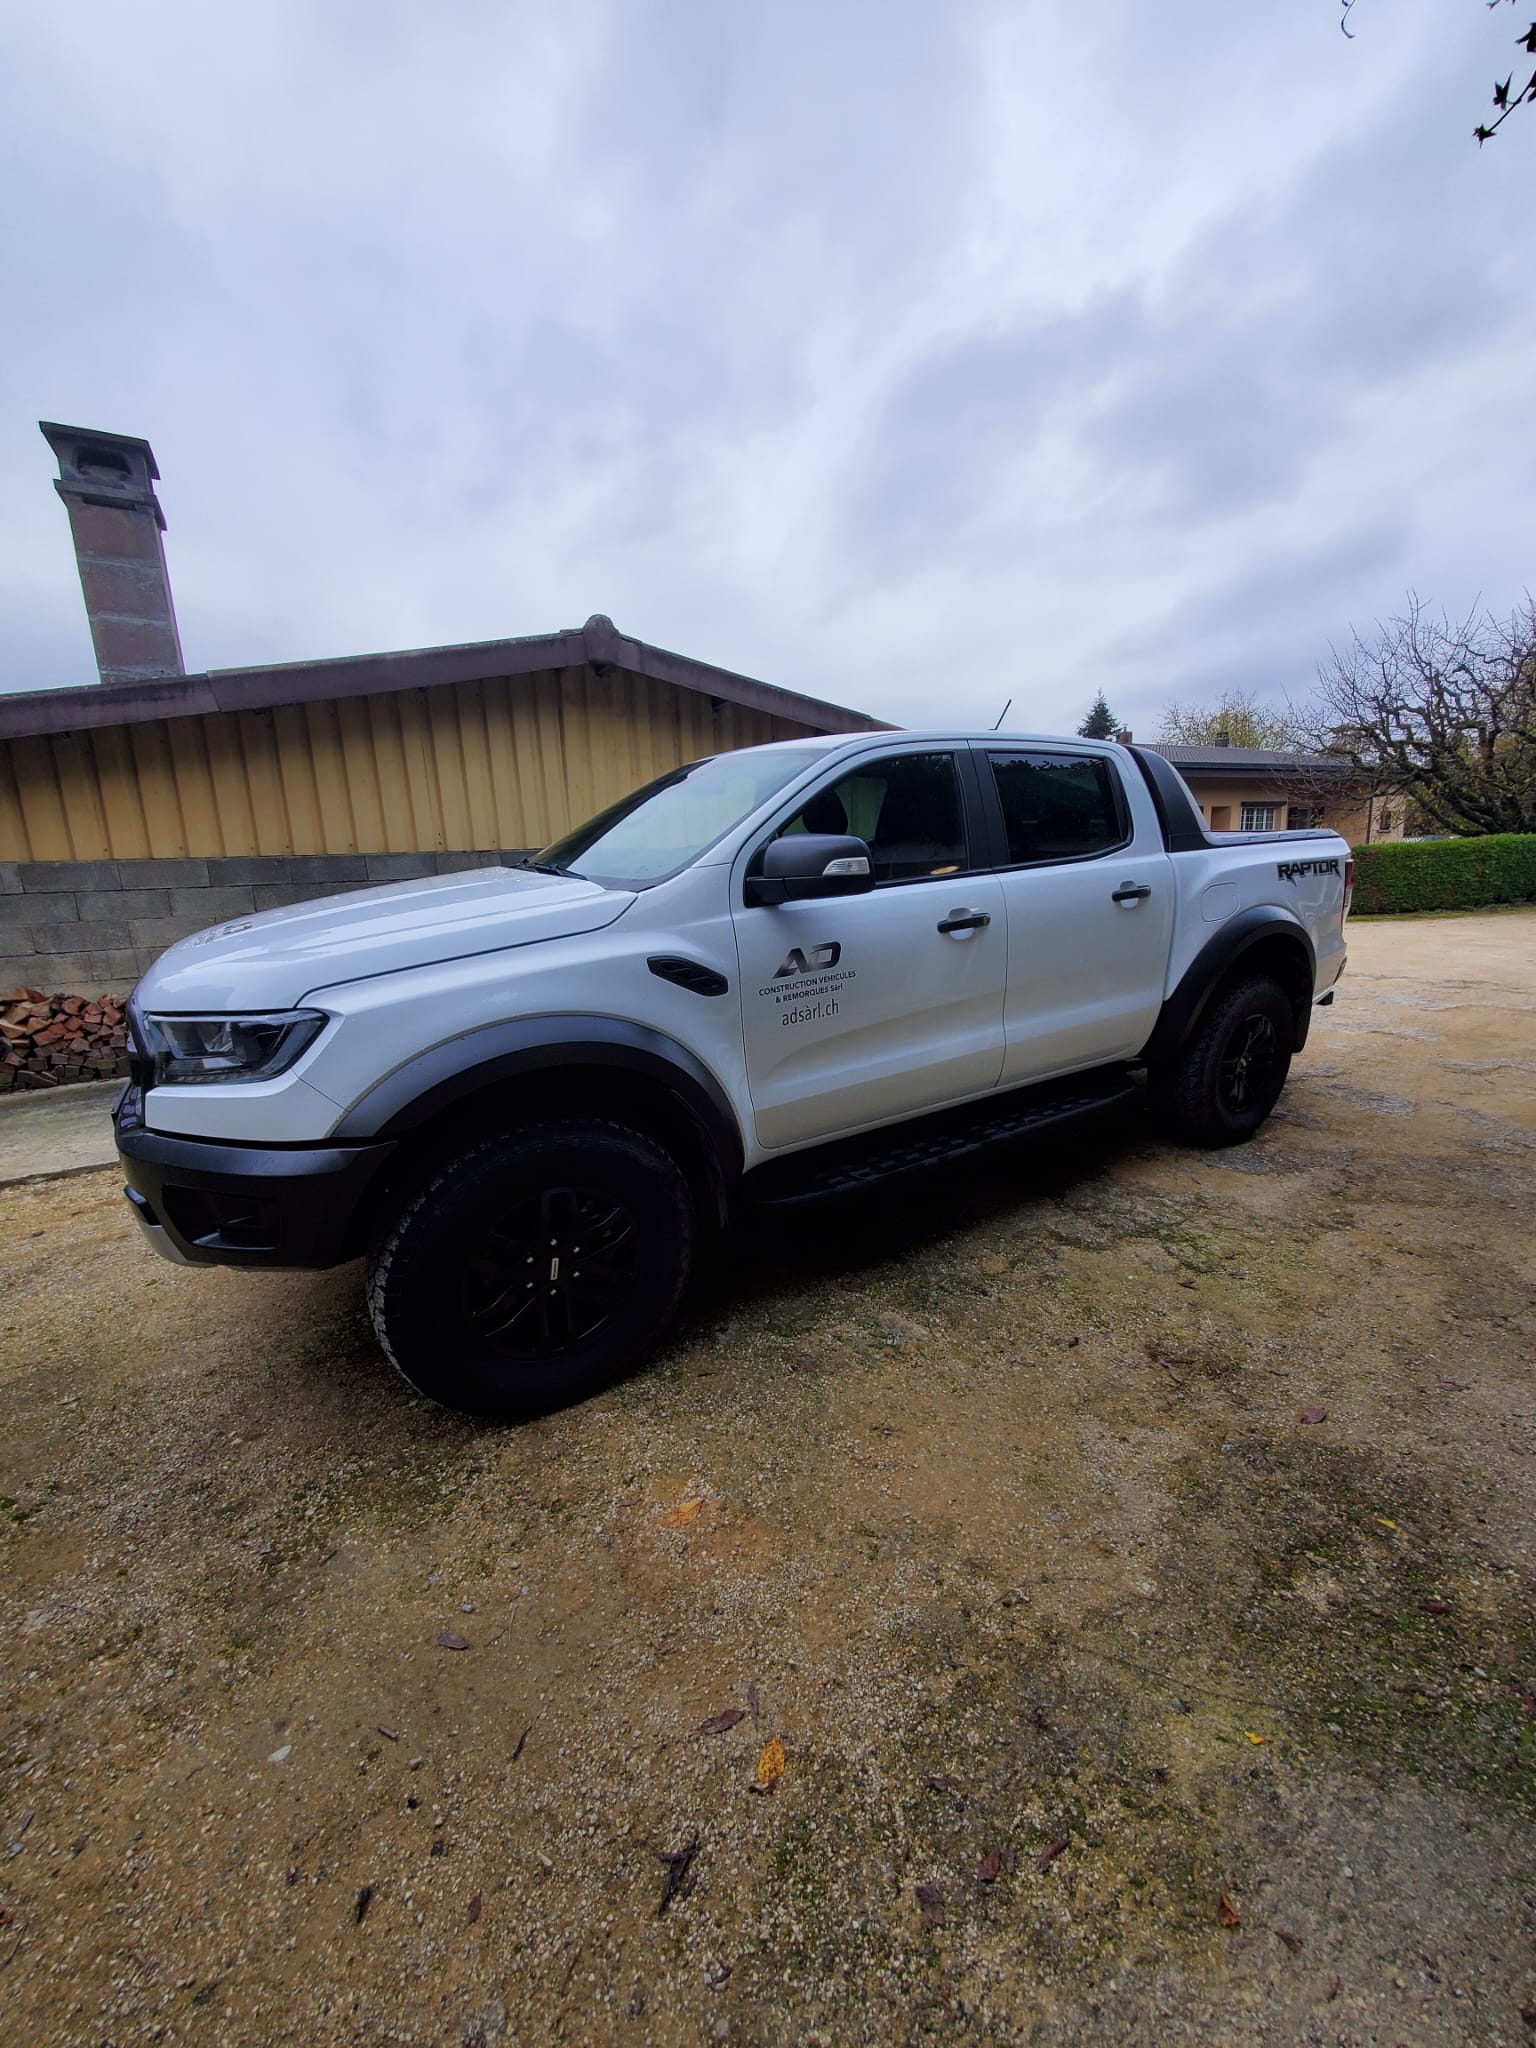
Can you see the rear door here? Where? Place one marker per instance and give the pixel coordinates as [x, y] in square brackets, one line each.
[1090, 910]
[867, 1008]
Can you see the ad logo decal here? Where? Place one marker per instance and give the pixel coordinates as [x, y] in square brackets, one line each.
[820, 957]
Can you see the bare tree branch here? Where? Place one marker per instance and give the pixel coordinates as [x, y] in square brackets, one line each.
[1442, 713]
[1506, 96]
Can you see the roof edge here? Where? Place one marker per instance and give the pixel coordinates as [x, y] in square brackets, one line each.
[34, 714]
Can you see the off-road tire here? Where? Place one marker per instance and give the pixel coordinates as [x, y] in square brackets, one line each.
[1227, 1077]
[446, 1288]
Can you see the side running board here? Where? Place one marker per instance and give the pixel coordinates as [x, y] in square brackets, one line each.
[911, 1148]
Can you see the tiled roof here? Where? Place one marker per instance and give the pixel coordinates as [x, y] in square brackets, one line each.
[1240, 760]
[27, 713]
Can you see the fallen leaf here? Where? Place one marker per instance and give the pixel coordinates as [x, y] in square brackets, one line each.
[716, 1973]
[770, 1765]
[1336, 1985]
[1292, 1941]
[521, 1740]
[754, 1706]
[1528, 1701]
[1434, 1607]
[1227, 1913]
[1049, 1854]
[686, 1512]
[450, 1639]
[364, 1901]
[943, 1784]
[6, 1916]
[718, 1723]
[679, 1863]
[1456, 1386]
[1313, 1415]
[989, 1866]
[474, 1908]
[25, 1822]
[805, 1365]
[389, 1734]
[931, 1900]
[1384, 1522]
[1257, 1740]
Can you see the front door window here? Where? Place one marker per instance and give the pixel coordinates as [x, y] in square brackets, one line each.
[907, 811]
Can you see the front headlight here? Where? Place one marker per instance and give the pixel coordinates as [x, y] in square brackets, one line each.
[228, 1048]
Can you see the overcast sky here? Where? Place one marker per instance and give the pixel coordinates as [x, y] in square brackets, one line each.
[916, 355]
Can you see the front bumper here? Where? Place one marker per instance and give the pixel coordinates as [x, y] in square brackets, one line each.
[203, 1203]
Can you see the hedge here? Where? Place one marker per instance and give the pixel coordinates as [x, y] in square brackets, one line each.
[1445, 874]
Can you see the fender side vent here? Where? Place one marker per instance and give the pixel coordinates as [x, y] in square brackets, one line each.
[689, 974]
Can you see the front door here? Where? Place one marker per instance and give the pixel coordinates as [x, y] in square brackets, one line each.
[864, 1009]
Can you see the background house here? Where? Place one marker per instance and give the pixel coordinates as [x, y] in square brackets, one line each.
[156, 803]
[1260, 789]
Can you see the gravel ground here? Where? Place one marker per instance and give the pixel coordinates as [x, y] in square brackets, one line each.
[1119, 1701]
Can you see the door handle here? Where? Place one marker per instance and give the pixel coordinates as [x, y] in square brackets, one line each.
[964, 921]
[1130, 892]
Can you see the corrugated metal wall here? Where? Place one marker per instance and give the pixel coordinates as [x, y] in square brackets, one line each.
[511, 761]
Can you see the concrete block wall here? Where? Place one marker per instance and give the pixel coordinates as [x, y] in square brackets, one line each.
[91, 927]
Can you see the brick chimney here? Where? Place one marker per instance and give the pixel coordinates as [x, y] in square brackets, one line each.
[108, 483]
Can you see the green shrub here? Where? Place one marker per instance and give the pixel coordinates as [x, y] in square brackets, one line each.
[1446, 874]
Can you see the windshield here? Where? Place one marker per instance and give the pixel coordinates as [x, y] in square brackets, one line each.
[661, 828]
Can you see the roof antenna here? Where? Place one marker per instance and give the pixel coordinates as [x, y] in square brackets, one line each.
[1003, 713]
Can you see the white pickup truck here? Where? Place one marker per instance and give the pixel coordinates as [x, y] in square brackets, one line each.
[530, 1095]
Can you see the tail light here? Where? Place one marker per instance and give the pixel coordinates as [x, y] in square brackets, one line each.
[1349, 888]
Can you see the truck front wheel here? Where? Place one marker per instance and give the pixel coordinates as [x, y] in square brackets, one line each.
[534, 1268]
[1224, 1081]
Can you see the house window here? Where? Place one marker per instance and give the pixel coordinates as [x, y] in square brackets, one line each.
[1301, 817]
[1259, 817]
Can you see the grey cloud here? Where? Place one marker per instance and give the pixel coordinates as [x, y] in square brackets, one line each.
[972, 411]
[762, 328]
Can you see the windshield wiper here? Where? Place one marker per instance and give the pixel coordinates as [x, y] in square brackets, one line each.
[546, 867]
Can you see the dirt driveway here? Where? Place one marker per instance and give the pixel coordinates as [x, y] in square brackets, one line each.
[1120, 1701]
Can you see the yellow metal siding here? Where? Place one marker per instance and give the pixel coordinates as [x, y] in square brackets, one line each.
[511, 761]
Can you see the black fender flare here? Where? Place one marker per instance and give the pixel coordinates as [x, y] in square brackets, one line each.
[1227, 945]
[423, 1087]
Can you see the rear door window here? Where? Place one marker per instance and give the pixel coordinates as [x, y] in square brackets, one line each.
[1058, 806]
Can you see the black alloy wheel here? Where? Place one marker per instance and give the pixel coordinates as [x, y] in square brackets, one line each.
[1249, 1065]
[533, 1268]
[550, 1272]
[1227, 1076]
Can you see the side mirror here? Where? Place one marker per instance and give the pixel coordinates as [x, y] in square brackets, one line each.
[803, 867]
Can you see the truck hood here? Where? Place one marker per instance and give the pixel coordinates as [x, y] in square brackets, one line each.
[275, 958]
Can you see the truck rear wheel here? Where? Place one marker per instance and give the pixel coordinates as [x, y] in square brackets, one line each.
[1226, 1079]
[534, 1268]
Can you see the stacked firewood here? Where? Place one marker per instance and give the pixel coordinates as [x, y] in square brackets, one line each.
[47, 1040]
